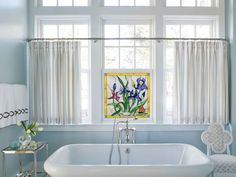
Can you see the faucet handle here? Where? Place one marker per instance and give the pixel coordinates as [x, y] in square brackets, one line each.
[126, 135]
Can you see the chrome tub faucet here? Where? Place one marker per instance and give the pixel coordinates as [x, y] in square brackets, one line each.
[126, 134]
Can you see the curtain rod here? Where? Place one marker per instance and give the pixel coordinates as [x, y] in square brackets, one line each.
[155, 39]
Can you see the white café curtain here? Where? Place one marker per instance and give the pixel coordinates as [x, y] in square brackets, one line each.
[201, 82]
[55, 82]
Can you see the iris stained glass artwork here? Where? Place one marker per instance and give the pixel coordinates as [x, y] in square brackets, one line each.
[127, 95]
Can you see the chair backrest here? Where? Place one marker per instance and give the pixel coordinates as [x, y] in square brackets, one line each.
[217, 139]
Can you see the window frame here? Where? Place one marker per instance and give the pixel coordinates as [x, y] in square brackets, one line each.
[182, 20]
[123, 20]
[198, 19]
[59, 20]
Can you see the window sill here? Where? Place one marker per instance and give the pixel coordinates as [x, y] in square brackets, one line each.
[108, 127]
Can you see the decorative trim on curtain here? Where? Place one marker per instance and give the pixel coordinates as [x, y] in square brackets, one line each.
[201, 82]
[55, 72]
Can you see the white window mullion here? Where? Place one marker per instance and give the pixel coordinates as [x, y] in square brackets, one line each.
[73, 30]
[195, 31]
[135, 60]
[58, 31]
[119, 42]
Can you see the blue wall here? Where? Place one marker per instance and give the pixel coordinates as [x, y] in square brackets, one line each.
[13, 62]
[12, 70]
[233, 71]
[13, 29]
[231, 35]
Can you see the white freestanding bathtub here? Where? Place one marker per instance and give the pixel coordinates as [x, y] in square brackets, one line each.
[138, 160]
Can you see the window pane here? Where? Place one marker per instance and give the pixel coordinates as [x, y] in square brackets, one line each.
[142, 31]
[169, 90]
[111, 2]
[204, 3]
[84, 97]
[111, 58]
[66, 31]
[64, 2]
[49, 2]
[84, 88]
[172, 2]
[81, 31]
[126, 2]
[172, 31]
[131, 54]
[127, 31]
[50, 31]
[169, 57]
[127, 58]
[84, 58]
[203, 31]
[143, 58]
[80, 2]
[187, 31]
[111, 31]
[188, 3]
[142, 3]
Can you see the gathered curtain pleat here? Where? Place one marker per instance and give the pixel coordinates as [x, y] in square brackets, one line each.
[55, 73]
[201, 82]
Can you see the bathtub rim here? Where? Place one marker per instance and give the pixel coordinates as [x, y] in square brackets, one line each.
[207, 162]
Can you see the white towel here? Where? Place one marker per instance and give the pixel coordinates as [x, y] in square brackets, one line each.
[13, 104]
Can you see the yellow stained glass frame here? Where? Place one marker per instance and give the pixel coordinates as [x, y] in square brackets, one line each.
[140, 74]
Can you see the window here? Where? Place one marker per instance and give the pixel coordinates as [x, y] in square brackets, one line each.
[64, 2]
[128, 2]
[191, 3]
[127, 19]
[69, 28]
[181, 28]
[127, 54]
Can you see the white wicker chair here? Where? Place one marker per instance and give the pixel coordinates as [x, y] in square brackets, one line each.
[218, 141]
